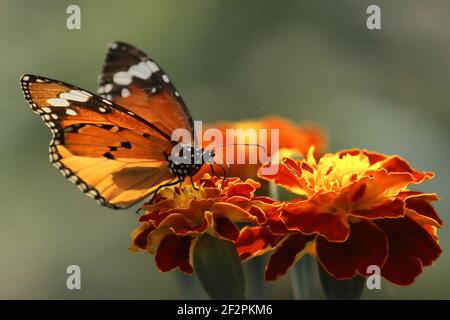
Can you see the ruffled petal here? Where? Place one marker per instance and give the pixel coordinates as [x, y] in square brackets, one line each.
[386, 184]
[226, 229]
[410, 248]
[419, 208]
[140, 237]
[397, 164]
[308, 218]
[288, 176]
[366, 245]
[286, 254]
[243, 189]
[174, 252]
[388, 209]
[373, 157]
[255, 241]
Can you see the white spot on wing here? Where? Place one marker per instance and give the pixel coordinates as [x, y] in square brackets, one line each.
[140, 70]
[108, 87]
[153, 67]
[165, 78]
[122, 78]
[74, 95]
[56, 102]
[125, 92]
[71, 112]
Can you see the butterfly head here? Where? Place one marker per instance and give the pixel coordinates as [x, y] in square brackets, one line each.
[188, 160]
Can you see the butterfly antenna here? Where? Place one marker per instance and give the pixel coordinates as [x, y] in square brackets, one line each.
[224, 177]
[241, 144]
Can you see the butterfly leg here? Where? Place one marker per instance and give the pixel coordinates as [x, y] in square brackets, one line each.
[224, 177]
[193, 185]
[213, 171]
[168, 184]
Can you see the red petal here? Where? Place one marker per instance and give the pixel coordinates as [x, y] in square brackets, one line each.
[258, 213]
[174, 252]
[372, 156]
[351, 193]
[303, 216]
[254, 241]
[242, 189]
[389, 209]
[366, 245]
[410, 248]
[286, 254]
[420, 204]
[225, 228]
[141, 239]
[397, 164]
[288, 175]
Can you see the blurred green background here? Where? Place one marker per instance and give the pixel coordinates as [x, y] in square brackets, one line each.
[385, 90]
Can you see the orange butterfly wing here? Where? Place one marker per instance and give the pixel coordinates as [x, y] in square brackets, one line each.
[133, 80]
[111, 153]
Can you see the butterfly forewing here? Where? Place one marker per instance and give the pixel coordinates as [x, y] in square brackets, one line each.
[133, 80]
[111, 153]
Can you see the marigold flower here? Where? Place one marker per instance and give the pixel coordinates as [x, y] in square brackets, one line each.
[357, 212]
[177, 217]
[297, 138]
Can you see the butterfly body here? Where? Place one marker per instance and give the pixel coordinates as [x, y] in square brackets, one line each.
[116, 146]
[189, 160]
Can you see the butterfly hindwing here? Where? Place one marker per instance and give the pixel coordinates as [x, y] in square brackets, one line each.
[133, 80]
[109, 152]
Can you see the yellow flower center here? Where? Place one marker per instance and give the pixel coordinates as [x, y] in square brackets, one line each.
[183, 196]
[333, 173]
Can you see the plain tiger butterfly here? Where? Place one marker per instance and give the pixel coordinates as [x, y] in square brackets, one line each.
[115, 146]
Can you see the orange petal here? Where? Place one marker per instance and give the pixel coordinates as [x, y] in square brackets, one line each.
[373, 157]
[304, 216]
[419, 208]
[226, 229]
[255, 241]
[397, 164]
[383, 182]
[287, 253]
[288, 176]
[174, 252]
[388, 209]
[140, 236]
[410, 248]
[366, 245]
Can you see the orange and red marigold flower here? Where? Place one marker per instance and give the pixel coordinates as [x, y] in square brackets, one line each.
[175, 219]
[356, 211]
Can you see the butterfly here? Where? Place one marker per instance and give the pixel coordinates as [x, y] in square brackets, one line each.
[116, 145]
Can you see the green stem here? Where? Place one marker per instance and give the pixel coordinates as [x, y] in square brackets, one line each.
[304, 278]
[334, 289]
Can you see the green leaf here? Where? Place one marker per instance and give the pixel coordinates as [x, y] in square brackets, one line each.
[219, 268]
[334, 289]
